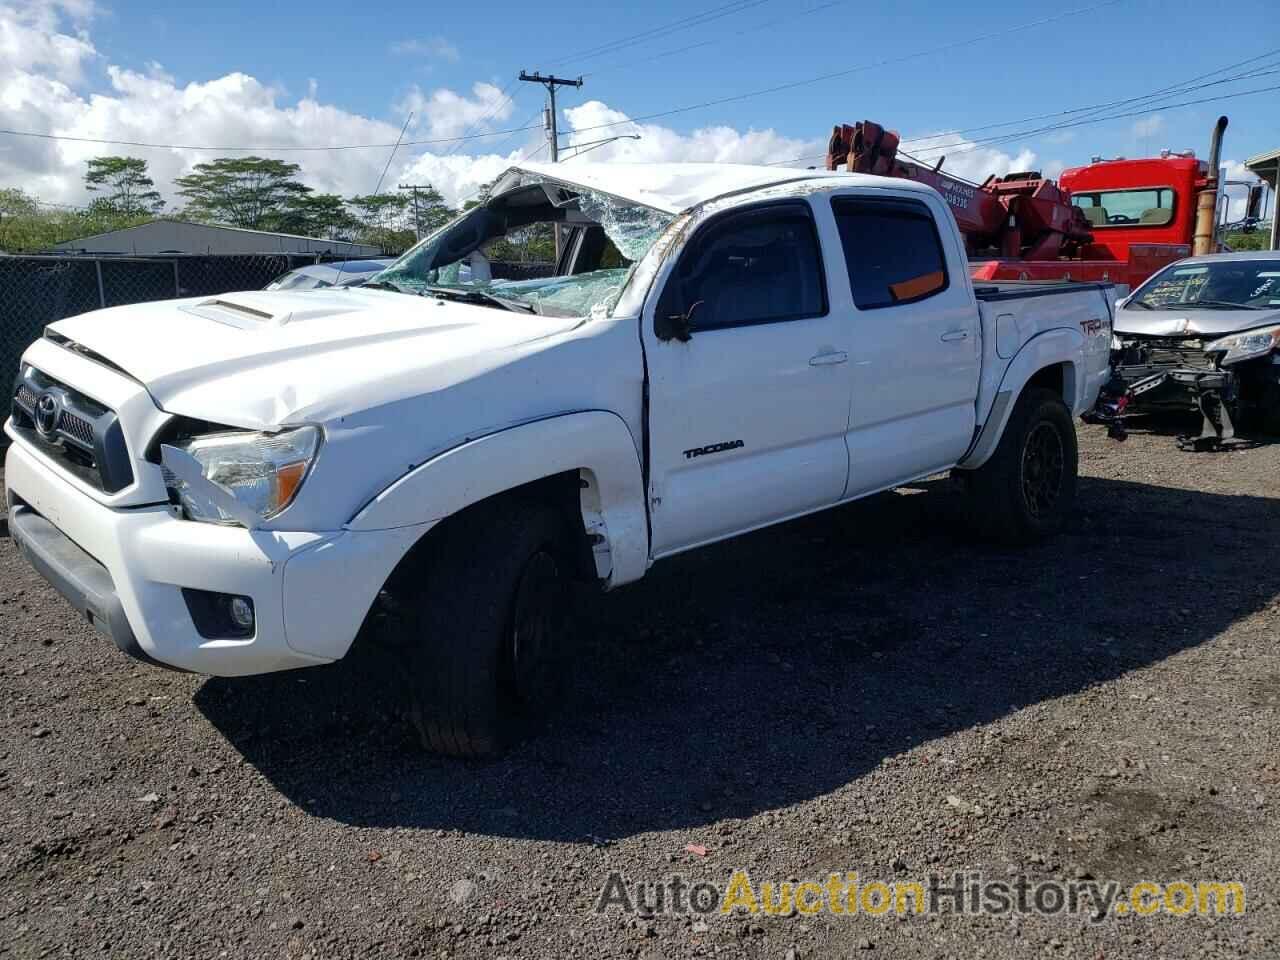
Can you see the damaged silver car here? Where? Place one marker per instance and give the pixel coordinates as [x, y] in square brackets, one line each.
[1201, 335]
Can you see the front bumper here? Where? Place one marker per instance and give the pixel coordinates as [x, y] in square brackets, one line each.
[125, 570]
[76, 575]
[1152, 387]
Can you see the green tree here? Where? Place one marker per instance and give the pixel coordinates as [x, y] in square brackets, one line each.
[27, 225]
[384, 220]
[1257, 239]
[315, 215]
[242, 191]
[427, 210]
[481, 196]
[130, 191]
[386, 211]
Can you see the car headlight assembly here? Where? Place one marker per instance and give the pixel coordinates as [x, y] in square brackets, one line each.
[1246, 345]
[250, 476]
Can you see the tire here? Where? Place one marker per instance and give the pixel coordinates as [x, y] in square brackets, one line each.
[482, 657]
[1269, 410]
[1027, 489]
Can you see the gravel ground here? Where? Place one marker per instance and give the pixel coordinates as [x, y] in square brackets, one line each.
[858, 691]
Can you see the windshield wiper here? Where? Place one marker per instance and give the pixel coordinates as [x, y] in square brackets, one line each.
[1221, 305]
[384, 285]
[1141, 303]
[480, 296]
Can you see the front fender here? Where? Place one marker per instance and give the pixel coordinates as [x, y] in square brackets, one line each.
[1062, 347]
[595, 442]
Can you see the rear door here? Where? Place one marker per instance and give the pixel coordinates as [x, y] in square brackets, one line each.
[747, 416]
[914, 329]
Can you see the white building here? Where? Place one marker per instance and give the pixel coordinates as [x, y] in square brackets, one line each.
[181, 236]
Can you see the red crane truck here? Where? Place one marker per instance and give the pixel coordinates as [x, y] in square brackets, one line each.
[1113, 220]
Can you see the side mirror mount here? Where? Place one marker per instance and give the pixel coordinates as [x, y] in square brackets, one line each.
[678, 326]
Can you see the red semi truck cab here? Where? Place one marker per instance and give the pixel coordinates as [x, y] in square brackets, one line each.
[1140, 212]
[1114, 220]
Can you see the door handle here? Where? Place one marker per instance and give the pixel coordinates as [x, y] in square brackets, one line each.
[951, 336]
[828, 359]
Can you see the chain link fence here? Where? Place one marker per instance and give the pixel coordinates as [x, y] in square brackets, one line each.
[36, 291]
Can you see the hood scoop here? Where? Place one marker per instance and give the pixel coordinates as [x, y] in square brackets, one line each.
[246, 312]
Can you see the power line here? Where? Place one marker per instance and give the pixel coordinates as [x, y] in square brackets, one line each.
[504, 97]
[791, 85]
[1097, 106]
[975, 144]
[527, 125]
[1149, 102]
[1144, 109]
[969, 145]
[790, 18]
[1186, 86]
[590, 145]
[654, 33]
[263, 148]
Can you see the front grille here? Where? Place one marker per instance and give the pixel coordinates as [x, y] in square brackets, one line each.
[76, 427]
[73, 430]
[1167, 352]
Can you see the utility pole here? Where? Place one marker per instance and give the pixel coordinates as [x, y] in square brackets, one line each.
[551, 82]
[417, 215]
[553, 132]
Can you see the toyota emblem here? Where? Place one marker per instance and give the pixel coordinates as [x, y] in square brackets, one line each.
[47, 414]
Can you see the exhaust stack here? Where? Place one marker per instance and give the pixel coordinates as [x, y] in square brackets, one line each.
[1207, 201]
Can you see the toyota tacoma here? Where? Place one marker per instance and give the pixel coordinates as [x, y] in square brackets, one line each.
[232, 484]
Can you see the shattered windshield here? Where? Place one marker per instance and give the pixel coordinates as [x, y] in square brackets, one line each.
[1220, 284]
[539, 246]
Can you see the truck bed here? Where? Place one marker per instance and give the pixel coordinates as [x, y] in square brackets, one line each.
[990, 292]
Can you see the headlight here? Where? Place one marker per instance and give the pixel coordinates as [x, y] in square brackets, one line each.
[1116, 342]
[1246, 345]
[262, 472]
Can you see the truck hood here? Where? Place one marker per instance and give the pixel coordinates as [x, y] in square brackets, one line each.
[1190, 323]
[262, 359]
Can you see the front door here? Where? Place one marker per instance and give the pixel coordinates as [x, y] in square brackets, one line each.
[747, 416]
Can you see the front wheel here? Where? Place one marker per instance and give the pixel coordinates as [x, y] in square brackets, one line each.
[488, 629]
[1269, 410]
[1027, 489]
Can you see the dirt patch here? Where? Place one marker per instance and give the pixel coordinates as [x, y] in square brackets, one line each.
[857, 691]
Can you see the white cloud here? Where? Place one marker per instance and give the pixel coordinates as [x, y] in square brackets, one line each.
[437, 48]
[720, 144]
[443, 113]
[30, 40]
[971, 160]
[54, 81]
[1148, 126]
[46, 62]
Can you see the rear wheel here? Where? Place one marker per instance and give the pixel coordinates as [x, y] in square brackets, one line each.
[487, 629]
[1027, 489]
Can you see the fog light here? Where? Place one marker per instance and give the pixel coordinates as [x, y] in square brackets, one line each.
[241, 609]
[220, 616]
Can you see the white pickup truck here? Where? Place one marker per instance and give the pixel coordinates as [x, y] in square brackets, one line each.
[228, 485]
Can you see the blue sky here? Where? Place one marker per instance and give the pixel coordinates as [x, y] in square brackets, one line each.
[371, 64]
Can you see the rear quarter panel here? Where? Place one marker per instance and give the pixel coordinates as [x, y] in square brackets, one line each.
[1026, 330]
